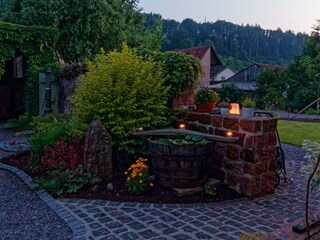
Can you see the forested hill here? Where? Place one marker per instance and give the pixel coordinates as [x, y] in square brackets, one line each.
[237, 45]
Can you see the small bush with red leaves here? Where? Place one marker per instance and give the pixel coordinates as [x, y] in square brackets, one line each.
[66, 154]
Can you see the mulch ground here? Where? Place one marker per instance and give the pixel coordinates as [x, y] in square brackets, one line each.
[156, 194]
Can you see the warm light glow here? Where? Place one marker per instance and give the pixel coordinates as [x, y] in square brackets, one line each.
[182, 126]
[140, 129]
[235, 109]
[229, 134]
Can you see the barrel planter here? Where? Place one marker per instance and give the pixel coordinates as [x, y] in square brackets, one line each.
[180, 166]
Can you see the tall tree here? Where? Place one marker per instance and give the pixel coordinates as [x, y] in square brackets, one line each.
[84, 26]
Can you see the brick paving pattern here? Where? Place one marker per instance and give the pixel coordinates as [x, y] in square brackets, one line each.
[219, 220]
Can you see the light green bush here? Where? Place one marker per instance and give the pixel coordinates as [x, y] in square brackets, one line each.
[125, 92]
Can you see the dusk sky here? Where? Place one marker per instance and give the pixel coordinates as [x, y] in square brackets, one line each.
[296, 15]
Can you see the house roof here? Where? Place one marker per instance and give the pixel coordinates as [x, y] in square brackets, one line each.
[244, 86]
[277, 67]
[219, 68]
[199, 52]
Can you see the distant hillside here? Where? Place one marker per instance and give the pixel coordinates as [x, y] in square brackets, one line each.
[237, 45]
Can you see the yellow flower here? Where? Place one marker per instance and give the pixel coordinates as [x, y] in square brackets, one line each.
[140, 181]
[128, 178]
[140, 174]
[151, 184]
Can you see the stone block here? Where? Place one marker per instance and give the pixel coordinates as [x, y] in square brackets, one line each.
[217, 159]
[256, 168]
[269, 125]
[218, 173]
[216, 120]
[248, 141]
[196, 127]
[231, 123]
[248, 155]
[181, 192]
[241, 137]
[272, 139]
[266, 155]
[98, 152]
[232, 152]
[250, 125]
[261, 142]
[203, 118]
[250, 186]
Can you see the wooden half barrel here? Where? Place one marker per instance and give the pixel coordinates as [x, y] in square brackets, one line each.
[181, 166]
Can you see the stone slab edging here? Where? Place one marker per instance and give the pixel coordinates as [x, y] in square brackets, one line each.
[77, 227]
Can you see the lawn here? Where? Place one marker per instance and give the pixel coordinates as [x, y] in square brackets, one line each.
[295, 132]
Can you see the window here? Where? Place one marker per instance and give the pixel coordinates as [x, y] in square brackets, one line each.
[17, 67]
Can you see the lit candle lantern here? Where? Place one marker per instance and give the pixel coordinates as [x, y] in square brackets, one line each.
[229, 134]
[182, 126]
[234, 108]
[140, 129]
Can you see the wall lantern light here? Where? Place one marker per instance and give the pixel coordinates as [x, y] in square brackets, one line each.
[229, 134]
[182, 125]
[234, 108]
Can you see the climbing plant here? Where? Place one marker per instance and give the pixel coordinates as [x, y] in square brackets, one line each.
[36, 43]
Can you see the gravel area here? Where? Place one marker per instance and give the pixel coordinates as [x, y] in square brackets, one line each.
[24, 215]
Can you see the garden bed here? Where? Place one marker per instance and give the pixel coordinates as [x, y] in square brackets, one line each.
[156, 194]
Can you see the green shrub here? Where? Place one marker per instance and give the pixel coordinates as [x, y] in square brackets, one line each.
[180, 71]
[230, 92]
[48, 130]
[248, 103]
[61, 181]
[23, 122]
[311, 111]
[125, 92]
[206, 95]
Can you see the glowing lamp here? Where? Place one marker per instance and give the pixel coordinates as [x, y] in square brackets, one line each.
[182, 126]
[234, 108]
[140, 129]
[229, 134]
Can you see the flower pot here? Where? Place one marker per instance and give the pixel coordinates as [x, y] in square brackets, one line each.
[183, 166]
[247, 112]
[208, 107]
[224, 111]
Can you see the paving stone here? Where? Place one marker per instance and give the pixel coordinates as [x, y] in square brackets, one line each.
[201, 235]
[105, 219]
[160, 226]
[188, 229]
[169, 230]
[178, 224]
[136, 226]
[113, 225]
[168, 219]
[129, 236]
[210, 230]
[100, 232]
[148, 234]
[138, 214]
[95, 225]
[109, 238]
[181, 237]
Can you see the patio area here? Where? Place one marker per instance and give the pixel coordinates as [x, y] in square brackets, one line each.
[101, 219]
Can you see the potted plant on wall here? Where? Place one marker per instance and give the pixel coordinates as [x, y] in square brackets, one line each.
[224, 107]
[206, 99]
[248, 105]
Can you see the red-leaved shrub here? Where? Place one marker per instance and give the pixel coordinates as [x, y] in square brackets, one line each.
[68, 154]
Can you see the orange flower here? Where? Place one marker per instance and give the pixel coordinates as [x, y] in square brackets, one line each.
[140, 181]
[151, 184]
[128, 178]
[140, 174]
[126, 173]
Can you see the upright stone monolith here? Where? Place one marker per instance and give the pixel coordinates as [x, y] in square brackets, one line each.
[98, 152]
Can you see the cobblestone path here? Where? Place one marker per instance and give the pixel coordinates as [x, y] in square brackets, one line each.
[219, 220]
